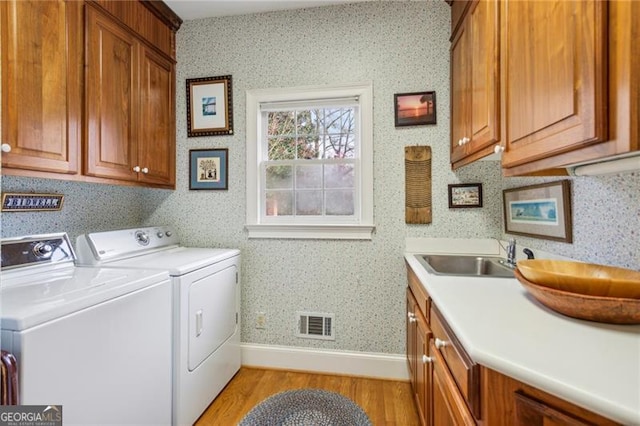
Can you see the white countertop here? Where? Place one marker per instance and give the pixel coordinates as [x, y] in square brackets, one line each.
[593, 365]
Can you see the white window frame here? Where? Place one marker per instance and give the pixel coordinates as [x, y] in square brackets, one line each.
[361, 226]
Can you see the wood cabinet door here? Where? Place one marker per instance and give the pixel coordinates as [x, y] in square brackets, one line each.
[460, 92]
[475, 99]
[112, 94]
[485, 82]
[449, 408]
[41, 54]
[156, 147]
[531, 412]
[554, 70]
[411, 337]
[423, 370]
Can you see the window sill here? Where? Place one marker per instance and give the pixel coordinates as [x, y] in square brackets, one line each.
[320, 232]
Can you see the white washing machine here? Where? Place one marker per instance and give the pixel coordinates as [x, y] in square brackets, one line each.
[206, 291]
[96, 341]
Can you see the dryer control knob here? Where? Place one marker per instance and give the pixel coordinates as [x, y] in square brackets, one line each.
[160, 234]
[168, 233]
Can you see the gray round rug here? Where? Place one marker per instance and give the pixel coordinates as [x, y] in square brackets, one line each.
[306, 407]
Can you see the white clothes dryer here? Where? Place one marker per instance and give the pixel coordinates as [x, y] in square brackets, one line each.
[206, 319]
[95, 341]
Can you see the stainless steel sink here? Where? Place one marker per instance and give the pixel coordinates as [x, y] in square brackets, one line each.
[475, 266]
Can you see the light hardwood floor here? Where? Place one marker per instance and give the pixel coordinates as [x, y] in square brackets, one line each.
[386, 402]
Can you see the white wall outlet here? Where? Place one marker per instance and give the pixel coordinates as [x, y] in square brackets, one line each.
[261, 320]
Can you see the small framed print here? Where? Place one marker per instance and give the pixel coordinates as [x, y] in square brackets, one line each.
[26, 202]
[208, 168]
[415, 109]
[464, 195]
[209, 106]
[539, 211]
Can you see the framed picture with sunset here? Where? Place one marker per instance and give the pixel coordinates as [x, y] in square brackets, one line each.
[415, 109]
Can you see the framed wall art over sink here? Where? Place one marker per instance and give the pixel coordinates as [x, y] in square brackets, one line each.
[539, 211]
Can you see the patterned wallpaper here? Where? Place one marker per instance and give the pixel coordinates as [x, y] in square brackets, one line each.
[86, 208]
[400, 47]
[606, 219]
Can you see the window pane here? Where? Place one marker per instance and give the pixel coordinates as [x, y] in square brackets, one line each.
[339, 120]
[282, 148]
[339, 146]
[281, 123]
[309, 203]
[279, 203]
[279, 177]
[339, 203]
[307, 122]
[339, 176]
[309, 176]
[308, 148]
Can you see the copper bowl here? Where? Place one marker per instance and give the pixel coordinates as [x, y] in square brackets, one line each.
[613, 310]
[583, 278]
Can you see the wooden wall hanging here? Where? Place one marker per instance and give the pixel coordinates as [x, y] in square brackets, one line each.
[417, 167]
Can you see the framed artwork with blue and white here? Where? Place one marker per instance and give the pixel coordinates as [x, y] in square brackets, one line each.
[539, 211]
[208, 168]
[209, 106]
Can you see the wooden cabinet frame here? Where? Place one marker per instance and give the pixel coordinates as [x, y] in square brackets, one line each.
[126, 133]
[475, 82]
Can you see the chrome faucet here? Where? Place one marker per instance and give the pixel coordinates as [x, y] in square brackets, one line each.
[511, 253]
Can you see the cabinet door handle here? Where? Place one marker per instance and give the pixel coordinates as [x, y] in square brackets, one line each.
[410, 315]
[136, 169]
[413, 319]
[6, 147]
[465, 140]
[441, 343]
[498, 149]
[145, 170]
[460, 142]
[426, 359]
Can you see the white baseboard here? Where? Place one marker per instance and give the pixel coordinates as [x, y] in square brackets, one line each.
[364, 364]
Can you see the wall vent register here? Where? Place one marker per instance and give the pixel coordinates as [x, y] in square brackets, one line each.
[314, 325]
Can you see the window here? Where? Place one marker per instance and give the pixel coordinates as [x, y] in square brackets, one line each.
[310, 162]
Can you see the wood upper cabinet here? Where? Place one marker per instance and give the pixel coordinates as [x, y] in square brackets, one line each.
[554, 69]
[41, 50]
[156, 147]
[115, 57]
[129, 106]
[475, 100]
[112, 92]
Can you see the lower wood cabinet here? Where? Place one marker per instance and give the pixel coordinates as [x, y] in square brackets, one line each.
[438, 397]
[449, 388]
[449, 407]
[418, 357]
[508, 402]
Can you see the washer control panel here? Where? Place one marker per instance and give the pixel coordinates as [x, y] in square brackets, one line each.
[36, 249]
